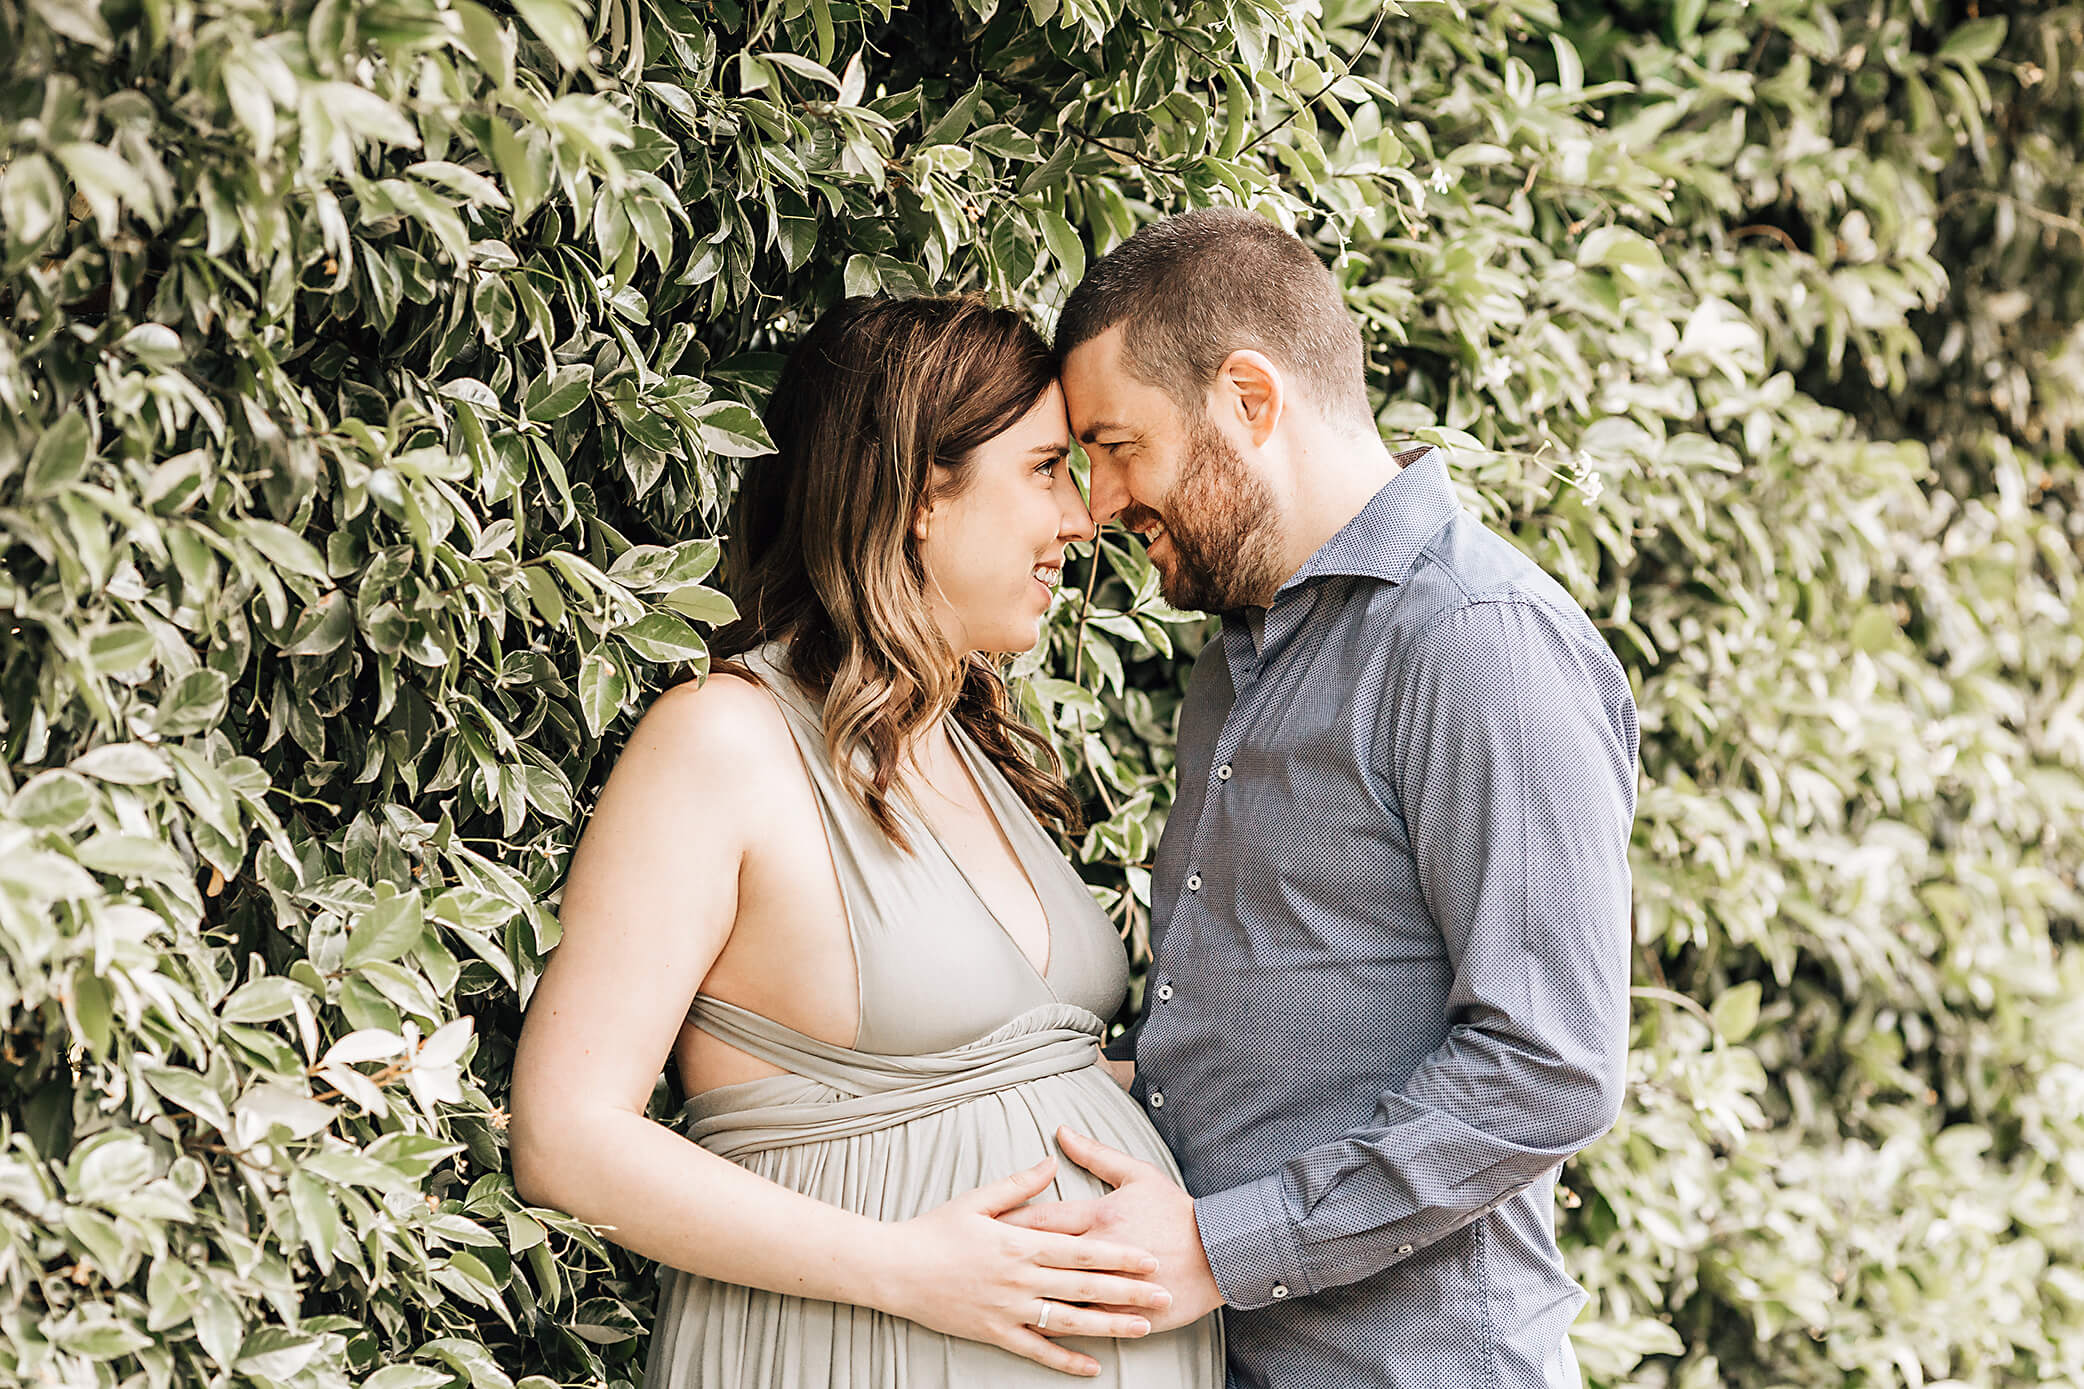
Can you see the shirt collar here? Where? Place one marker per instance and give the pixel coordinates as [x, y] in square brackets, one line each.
[1393, 529]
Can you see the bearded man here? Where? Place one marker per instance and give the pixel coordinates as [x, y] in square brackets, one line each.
[1389, 992]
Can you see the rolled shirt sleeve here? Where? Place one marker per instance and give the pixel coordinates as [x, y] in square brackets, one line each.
[1511, 744]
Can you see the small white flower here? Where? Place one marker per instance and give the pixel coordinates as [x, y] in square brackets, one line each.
[1442, 179]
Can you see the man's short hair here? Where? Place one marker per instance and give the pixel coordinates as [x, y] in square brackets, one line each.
[1195, 288]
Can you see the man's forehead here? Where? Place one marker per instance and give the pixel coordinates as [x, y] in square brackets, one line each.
[1102, 399]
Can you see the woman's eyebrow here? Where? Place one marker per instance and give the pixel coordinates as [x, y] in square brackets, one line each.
[1057, 450]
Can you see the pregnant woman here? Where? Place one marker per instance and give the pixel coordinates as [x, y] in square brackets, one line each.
[819, 881]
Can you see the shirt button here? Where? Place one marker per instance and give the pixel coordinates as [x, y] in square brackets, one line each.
[1403, 1249]
[1280, 1291]
[1157, 1099]
[1223, 772]
[1164, 993]
[1194, 882]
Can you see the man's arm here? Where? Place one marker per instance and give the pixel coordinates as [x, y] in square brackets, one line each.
[1513, 750]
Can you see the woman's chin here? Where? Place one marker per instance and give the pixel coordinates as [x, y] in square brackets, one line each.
[1016, 638]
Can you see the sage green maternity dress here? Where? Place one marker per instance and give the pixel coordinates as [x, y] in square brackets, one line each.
[965, 1063]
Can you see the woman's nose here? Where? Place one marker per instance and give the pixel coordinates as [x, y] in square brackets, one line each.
[1074, 521]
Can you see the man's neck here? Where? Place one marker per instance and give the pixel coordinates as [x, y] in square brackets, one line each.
[1336, 476]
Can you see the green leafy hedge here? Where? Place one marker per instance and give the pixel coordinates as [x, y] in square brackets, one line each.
[373, 377]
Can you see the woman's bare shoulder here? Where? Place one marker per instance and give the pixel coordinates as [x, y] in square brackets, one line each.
[709, 753]
[725, 722]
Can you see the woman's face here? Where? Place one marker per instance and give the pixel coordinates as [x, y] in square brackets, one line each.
[994, 551]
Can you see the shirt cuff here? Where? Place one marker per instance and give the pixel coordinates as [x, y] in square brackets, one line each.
[1251, 1244]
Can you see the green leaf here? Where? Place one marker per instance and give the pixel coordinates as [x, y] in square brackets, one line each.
[660, 636]
[488, 41]
[1064, 245]
[323, 627]
[408, 1377]
[93, 1005]
[470, 1359]
[60, 457]
[217, 1326]
[559, 25]
[126, 764]
[317, 1216]
[54, 800]
[263, 1000]
[121, 648]
[386, 931]
[803, 67]
[285, 548]
[196, 702]
[277, 1353]
[79, 20]
[133, 856]
[1976, 41]
[553, 396]
[192, 1092]
[1618, 246]
[704, 605]
[1736, 1012]
[860, 277]
[32, 201]
[601, 688]
[730, 429]
[467, 184]
[93, 1336]
[103, 179]
[545, 595]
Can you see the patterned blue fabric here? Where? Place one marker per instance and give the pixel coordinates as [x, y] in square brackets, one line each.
[1390, 988]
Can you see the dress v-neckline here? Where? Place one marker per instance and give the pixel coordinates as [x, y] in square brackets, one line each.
[964, 751]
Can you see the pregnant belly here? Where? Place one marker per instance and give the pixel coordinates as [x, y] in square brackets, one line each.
[905, 1168]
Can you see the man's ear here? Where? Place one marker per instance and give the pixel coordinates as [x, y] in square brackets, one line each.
[1252, 390]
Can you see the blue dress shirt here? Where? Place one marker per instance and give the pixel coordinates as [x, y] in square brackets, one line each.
[1389, 993]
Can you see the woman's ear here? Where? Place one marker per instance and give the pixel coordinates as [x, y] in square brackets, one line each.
[921, 522]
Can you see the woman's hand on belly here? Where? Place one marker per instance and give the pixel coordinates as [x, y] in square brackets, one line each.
[960, 1271]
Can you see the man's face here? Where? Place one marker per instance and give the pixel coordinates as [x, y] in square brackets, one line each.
[1208, 520]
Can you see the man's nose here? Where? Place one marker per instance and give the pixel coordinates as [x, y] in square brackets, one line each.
[1109, 493]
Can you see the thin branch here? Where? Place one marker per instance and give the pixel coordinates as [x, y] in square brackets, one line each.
[1345, 72]
[2039, 214]
[1763, 229]
[1119, 153]
[1676, 1000]
[1092, 580]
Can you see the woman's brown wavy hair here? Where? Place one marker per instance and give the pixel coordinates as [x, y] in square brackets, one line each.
[823, 557]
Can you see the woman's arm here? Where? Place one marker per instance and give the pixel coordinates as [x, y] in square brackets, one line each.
[647, 908]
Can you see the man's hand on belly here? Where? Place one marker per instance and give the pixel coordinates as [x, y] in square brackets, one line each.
[1147, 1209]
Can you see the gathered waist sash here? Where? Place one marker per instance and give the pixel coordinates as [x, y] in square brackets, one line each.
[868, 1091]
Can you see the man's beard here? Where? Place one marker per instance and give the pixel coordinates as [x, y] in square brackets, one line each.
[1220, 524]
